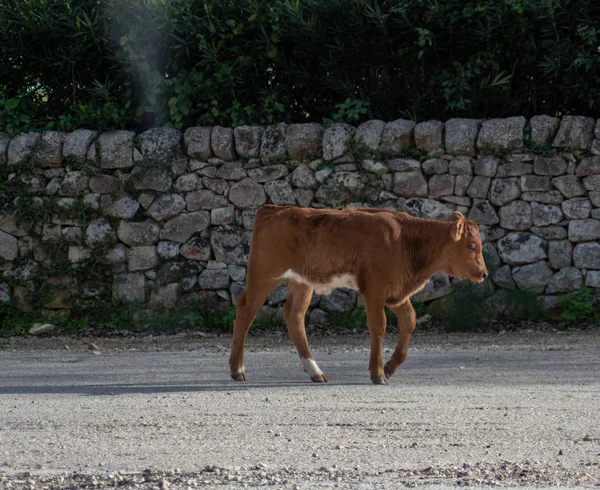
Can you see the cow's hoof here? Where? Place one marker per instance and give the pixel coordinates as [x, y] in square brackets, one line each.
[319, 378]
[387, 371]
[379, 381]
[238, 376]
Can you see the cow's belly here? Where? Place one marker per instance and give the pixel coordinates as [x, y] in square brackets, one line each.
[339, 281]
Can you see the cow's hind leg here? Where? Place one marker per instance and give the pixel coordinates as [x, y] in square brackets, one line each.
[407, 321]
[296, 304]
[377, 324]
[248, 304]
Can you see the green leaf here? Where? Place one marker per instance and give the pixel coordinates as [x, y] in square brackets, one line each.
[12, 104]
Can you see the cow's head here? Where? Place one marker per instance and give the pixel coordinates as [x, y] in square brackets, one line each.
[465, 258]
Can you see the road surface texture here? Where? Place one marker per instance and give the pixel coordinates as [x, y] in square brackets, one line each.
[465, 409]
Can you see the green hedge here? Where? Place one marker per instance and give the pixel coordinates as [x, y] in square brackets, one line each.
[137, 63]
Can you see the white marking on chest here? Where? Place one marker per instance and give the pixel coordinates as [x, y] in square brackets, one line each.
[311, 367]
[341, 281]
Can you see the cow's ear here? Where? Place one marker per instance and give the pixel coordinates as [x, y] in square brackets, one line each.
[458, 227]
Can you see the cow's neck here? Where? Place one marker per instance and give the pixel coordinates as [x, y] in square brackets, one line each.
[427, 242]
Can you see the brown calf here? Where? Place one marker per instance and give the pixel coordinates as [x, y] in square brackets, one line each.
[386, 256]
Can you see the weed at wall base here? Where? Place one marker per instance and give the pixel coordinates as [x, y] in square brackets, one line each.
[109, 317]
[469, 308]
[579, 307]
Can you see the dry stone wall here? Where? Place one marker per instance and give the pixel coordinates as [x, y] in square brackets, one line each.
[163, 218]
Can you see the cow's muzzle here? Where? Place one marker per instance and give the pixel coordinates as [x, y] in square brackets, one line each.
[479, 276]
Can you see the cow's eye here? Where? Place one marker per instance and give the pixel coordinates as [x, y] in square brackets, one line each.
[472, 246]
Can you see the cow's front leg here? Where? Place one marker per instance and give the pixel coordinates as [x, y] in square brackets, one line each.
[407, 320]
[377, 322]
[296, 304]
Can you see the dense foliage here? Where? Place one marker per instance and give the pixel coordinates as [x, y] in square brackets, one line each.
[135, 63]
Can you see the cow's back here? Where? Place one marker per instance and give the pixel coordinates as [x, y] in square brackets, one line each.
[322, 242]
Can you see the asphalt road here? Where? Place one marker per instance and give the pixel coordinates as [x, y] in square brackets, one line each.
[455, 416]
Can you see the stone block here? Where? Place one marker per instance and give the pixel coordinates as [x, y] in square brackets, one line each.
[461, 135]
[231, 245]
[587, 255]
[410, 184]
[516, 216]
[141, 258]
[584, 230]
[543, 129]
[197, 143]
[551, 166]
[116, 149]
[166, 206]
[577, 208]
[560, 253]
[546, 214]
[532, 277]
[274, 172]
[222, 143]
[483, 213]
[478, 188]
[397, 136]
[501, 133]
[335, 142]
[182, 227]
[129, 288]
[248, 140]
[566, 280]
[435, 166]
[135, 234]
[303, 141]
[247, 194]
[487, 166]
[521, 248]
[442, 185]
[272, 146]
[370, 133]
[575, 132]
[533, 183]
[160, 144]
[429, 136]
[77, 144]
[21, 147]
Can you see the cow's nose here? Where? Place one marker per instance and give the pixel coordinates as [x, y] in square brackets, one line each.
[484, 275]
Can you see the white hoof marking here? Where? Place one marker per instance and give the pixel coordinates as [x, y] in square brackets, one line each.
[311, 367]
